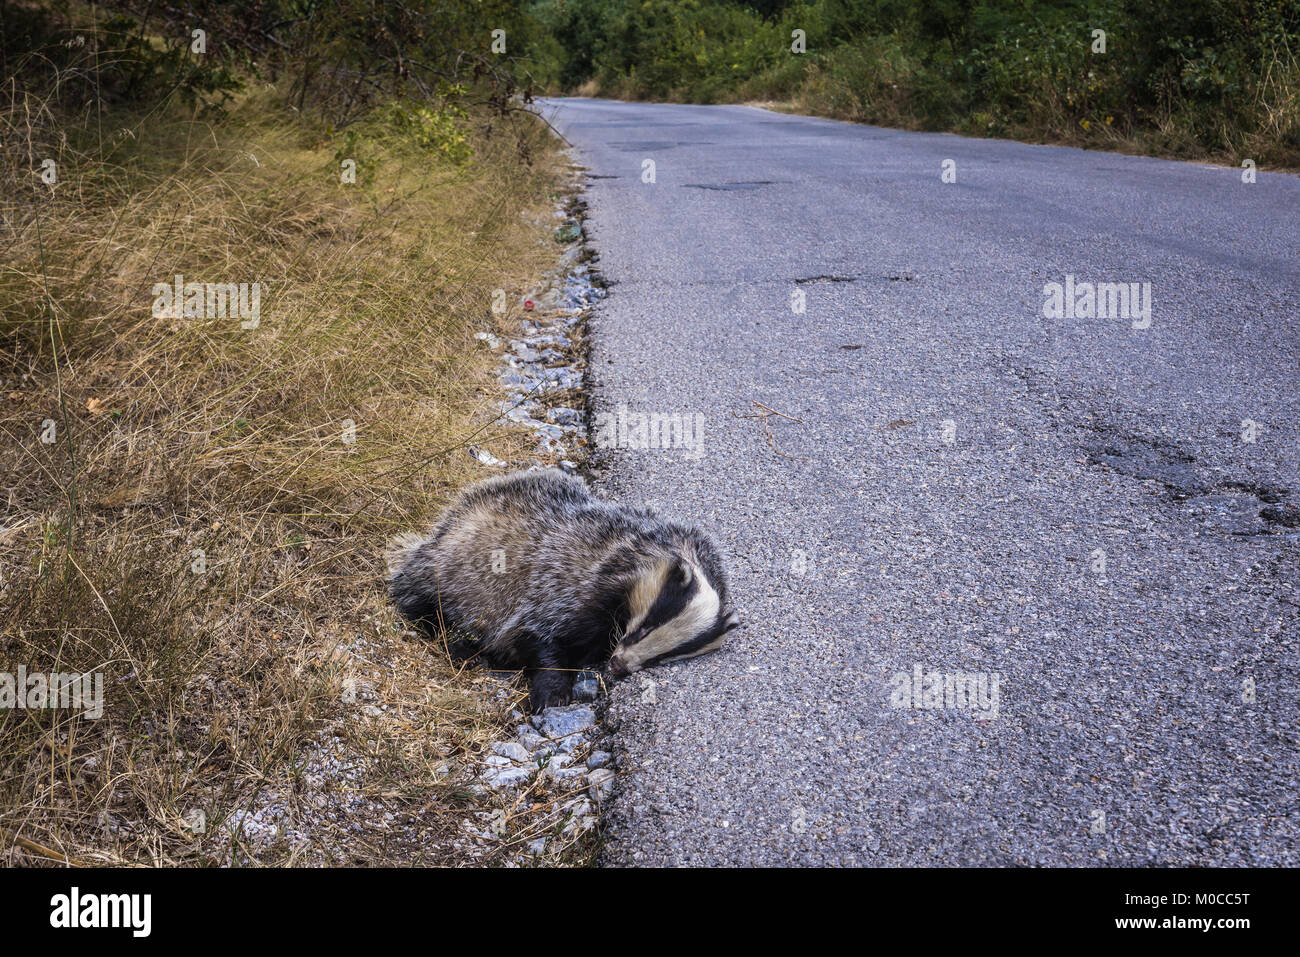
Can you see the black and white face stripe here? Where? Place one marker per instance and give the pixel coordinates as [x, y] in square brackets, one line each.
[700, 644]
[677, 590]
[682, 617]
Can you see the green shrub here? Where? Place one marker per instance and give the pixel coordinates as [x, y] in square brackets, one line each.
[1193, 77]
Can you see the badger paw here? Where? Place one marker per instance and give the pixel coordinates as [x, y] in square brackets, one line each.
[549, 689]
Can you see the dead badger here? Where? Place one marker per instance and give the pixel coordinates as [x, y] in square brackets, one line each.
[529, 570]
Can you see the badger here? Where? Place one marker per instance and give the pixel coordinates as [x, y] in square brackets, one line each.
[531, 571]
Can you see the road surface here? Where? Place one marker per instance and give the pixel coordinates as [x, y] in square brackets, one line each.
[915, 461]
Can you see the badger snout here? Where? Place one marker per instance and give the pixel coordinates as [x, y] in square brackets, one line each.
[625, 659]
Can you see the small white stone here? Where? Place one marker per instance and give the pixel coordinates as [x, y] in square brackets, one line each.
[602, 780]
[512, 750]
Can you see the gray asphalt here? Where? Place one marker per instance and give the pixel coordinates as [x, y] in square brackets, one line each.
[957, 461]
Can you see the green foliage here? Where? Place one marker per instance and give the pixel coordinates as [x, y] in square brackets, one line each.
[1191, 75]
[337, 59]
[436, 130]
[570, 36]
[118, 62]
[1206, 75]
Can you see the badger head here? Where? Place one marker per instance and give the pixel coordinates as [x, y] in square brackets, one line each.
[675, 611]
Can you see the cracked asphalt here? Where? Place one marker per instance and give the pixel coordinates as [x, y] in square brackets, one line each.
[1101, 517]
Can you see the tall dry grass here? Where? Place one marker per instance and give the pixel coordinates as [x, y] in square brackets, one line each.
[203, 529]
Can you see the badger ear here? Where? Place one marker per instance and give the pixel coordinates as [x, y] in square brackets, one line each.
[684, 572]
[730, 623]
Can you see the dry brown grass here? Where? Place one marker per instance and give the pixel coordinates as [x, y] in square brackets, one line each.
[277, 676]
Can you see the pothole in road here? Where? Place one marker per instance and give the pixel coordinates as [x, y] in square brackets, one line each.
[638, 146]
[638, 125]
[1233, 506]
[1228, 505]
[1151, 461]
[753, 184]
[903, 277]
[1283, 515]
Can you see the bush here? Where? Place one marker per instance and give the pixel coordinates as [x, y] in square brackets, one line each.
[1195, 78]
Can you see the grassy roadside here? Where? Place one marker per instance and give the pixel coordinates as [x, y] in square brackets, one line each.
[848, 87]
[196, 507]
[878, 84]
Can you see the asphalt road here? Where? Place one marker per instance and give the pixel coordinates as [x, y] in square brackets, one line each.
[949, 467]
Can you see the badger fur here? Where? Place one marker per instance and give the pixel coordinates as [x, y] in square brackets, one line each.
[531, 571]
